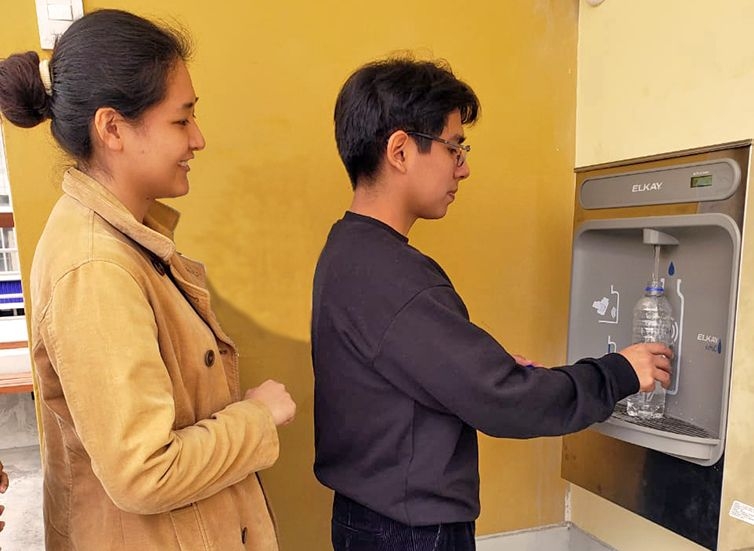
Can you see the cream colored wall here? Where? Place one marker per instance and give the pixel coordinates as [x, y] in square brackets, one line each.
[656, 77]
[269, 185]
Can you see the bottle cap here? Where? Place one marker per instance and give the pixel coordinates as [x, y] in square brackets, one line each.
[654, 285]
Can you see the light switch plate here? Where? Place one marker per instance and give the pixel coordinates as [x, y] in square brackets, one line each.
[54, 17]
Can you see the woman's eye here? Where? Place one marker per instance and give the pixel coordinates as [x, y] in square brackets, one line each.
[186, 122]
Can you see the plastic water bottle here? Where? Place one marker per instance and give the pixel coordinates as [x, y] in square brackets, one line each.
[653, 322]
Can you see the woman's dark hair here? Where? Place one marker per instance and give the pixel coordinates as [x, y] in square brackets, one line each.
[396, 94]
[108, 58]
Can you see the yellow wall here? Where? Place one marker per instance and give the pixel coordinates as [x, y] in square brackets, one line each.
[656, 77]
[269, 185]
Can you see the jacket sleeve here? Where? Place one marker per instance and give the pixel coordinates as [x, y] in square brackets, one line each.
[435, 354]
[102, 340]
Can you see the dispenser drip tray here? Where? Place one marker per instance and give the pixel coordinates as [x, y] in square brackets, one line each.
[665, 424]
[677, 437]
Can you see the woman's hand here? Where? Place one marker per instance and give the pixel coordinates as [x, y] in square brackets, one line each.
[274, 395]
[520, 360]
[3, 487]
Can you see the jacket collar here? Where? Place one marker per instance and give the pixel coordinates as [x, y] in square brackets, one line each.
[155, 234]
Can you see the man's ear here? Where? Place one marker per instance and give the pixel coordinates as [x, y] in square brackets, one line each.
[395, 153]
[107, 128]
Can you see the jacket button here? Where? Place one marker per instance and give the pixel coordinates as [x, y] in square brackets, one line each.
[243, 535]
[209, 358]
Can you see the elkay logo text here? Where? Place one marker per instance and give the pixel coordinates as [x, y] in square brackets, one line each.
[711, 343]
[651, 186]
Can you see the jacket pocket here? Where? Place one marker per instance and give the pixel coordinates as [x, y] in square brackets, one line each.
[189, 529]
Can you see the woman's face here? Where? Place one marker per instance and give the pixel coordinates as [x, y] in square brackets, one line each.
[160, 145]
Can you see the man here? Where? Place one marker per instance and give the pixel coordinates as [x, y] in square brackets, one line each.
[403, 379]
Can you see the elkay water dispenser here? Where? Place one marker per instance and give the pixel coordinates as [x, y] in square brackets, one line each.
[681, 215]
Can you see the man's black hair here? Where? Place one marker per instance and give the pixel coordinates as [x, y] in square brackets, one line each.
[396, 94]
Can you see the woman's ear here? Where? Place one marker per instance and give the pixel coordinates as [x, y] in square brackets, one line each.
[396, 150]
[107, 128]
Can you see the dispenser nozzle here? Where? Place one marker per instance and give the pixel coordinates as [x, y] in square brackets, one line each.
[656, 237]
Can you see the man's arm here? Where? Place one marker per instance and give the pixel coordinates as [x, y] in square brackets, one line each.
[436, 355]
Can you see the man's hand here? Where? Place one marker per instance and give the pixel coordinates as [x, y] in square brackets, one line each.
[651, 362]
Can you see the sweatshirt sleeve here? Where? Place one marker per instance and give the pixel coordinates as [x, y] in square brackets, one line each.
[435, 354]
[102, 340]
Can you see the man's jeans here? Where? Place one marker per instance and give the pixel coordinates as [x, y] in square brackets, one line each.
[358, 528]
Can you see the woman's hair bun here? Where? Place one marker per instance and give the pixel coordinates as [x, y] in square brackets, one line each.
[23, 99]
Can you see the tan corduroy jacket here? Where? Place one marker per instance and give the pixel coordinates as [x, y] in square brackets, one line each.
[147, 443]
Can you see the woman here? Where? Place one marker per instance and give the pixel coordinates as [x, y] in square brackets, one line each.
[149, 443]
[3, 487]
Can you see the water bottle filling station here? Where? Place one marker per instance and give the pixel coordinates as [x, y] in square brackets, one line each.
[675, 220]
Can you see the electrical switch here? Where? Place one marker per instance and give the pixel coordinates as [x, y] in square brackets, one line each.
[54, 17]
[59, 12]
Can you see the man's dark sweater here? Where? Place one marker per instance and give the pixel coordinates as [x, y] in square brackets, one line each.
[403, 380]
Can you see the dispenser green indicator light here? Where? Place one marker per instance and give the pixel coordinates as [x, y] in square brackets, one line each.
[701, 181]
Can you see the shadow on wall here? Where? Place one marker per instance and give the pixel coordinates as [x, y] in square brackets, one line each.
[302, 506]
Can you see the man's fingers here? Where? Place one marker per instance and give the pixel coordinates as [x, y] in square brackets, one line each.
[662, 362]
[659, 349]
[663, 377]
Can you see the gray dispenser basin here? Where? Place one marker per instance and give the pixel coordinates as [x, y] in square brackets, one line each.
[611, 264]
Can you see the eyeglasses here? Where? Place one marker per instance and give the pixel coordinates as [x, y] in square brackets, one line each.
[460, 150]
